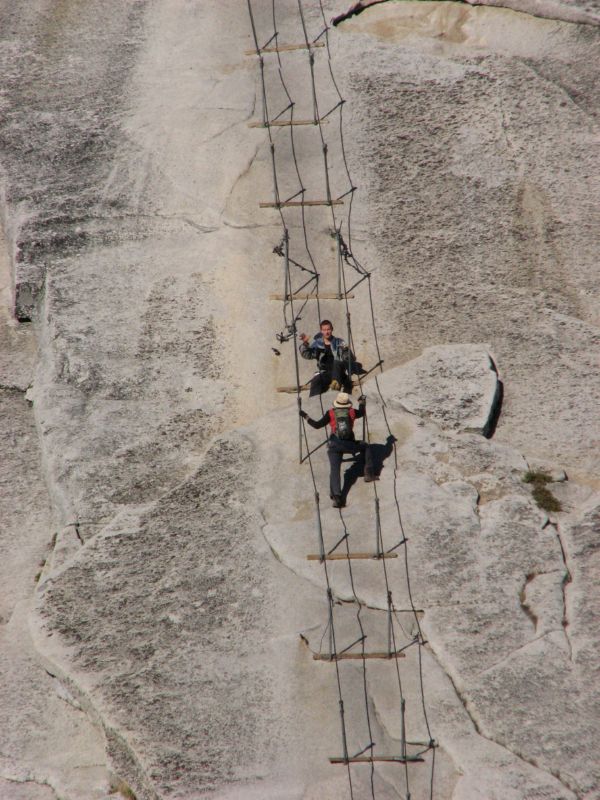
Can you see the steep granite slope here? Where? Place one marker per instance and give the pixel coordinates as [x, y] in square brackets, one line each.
[158, 613]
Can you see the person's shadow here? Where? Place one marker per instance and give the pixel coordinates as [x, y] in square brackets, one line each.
[380, 452]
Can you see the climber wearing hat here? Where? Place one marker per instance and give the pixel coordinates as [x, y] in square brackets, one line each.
[334, 359]
[341, 419]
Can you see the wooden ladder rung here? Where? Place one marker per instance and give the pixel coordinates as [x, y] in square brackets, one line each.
[286, 123]
[372, 759]
[300, 203]
[356, 656]
[292, 389]
[283, 48]
[320, 296]
[304, 388]
[342, 556]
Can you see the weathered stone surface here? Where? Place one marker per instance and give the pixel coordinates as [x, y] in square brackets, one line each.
[566, 10]
[454, 385]
[171, 606]
[48, 746]
[476, 131]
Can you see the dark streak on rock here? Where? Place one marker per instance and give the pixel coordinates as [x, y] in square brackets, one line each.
[354, 10]
[567, 579]
[523, 600]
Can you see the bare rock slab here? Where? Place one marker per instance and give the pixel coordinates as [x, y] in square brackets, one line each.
[456, 386]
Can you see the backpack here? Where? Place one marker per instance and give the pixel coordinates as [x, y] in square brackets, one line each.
[343, 423]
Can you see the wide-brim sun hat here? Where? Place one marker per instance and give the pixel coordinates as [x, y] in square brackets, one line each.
[342, 400]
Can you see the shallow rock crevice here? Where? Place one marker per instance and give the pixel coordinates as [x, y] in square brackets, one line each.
[523, 600]
[35, 781]
[480, 730]
[565, 583]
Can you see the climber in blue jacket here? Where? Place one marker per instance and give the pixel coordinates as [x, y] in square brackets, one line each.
[334, 358]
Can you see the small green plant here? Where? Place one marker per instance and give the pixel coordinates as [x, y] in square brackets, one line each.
[537, 476]
[120, 787]
[540, 493]
[545, 499]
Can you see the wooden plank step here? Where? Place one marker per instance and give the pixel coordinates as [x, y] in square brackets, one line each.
[285, 123]
[356, 656]
[292, 389]
[299, 203]
[304, 388]
[283, 48]
[343, 556]
[372, 759]
[320, 296]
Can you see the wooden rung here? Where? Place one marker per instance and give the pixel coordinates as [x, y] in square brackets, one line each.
[343, 556]
[283, 48]
[292, 389]
[371, 759]
[306, 387]
[285, 123]
[355, 656]
[299, 203]
[320, 296]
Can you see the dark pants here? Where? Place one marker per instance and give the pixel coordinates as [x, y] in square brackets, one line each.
[335, 450]
[335, 372]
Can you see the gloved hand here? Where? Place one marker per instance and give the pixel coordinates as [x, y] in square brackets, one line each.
[362, 399]
[303, 414]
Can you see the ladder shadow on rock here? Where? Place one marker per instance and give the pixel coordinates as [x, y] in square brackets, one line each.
[380, 452]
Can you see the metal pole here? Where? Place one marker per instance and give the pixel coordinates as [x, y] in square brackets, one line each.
[320, 530]
[390, 623]
[275, 187]
[311, 60]
[331, 636]
[286, 258]
[377, 528]
[287, 283]
[344, 742]
[327, 186]
[403, 730]
[339, 266]
[264, 93]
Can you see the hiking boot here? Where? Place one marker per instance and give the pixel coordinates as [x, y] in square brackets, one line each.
[334, 386]
[337, 501]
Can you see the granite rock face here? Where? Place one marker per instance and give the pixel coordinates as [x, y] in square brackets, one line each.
[159, 617]
[479, 126]
[455, 386]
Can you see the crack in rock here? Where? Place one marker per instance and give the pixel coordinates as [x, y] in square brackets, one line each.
[479, 729]
[35, 781]
[566, 581]
[523, 600]
[516, 650]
